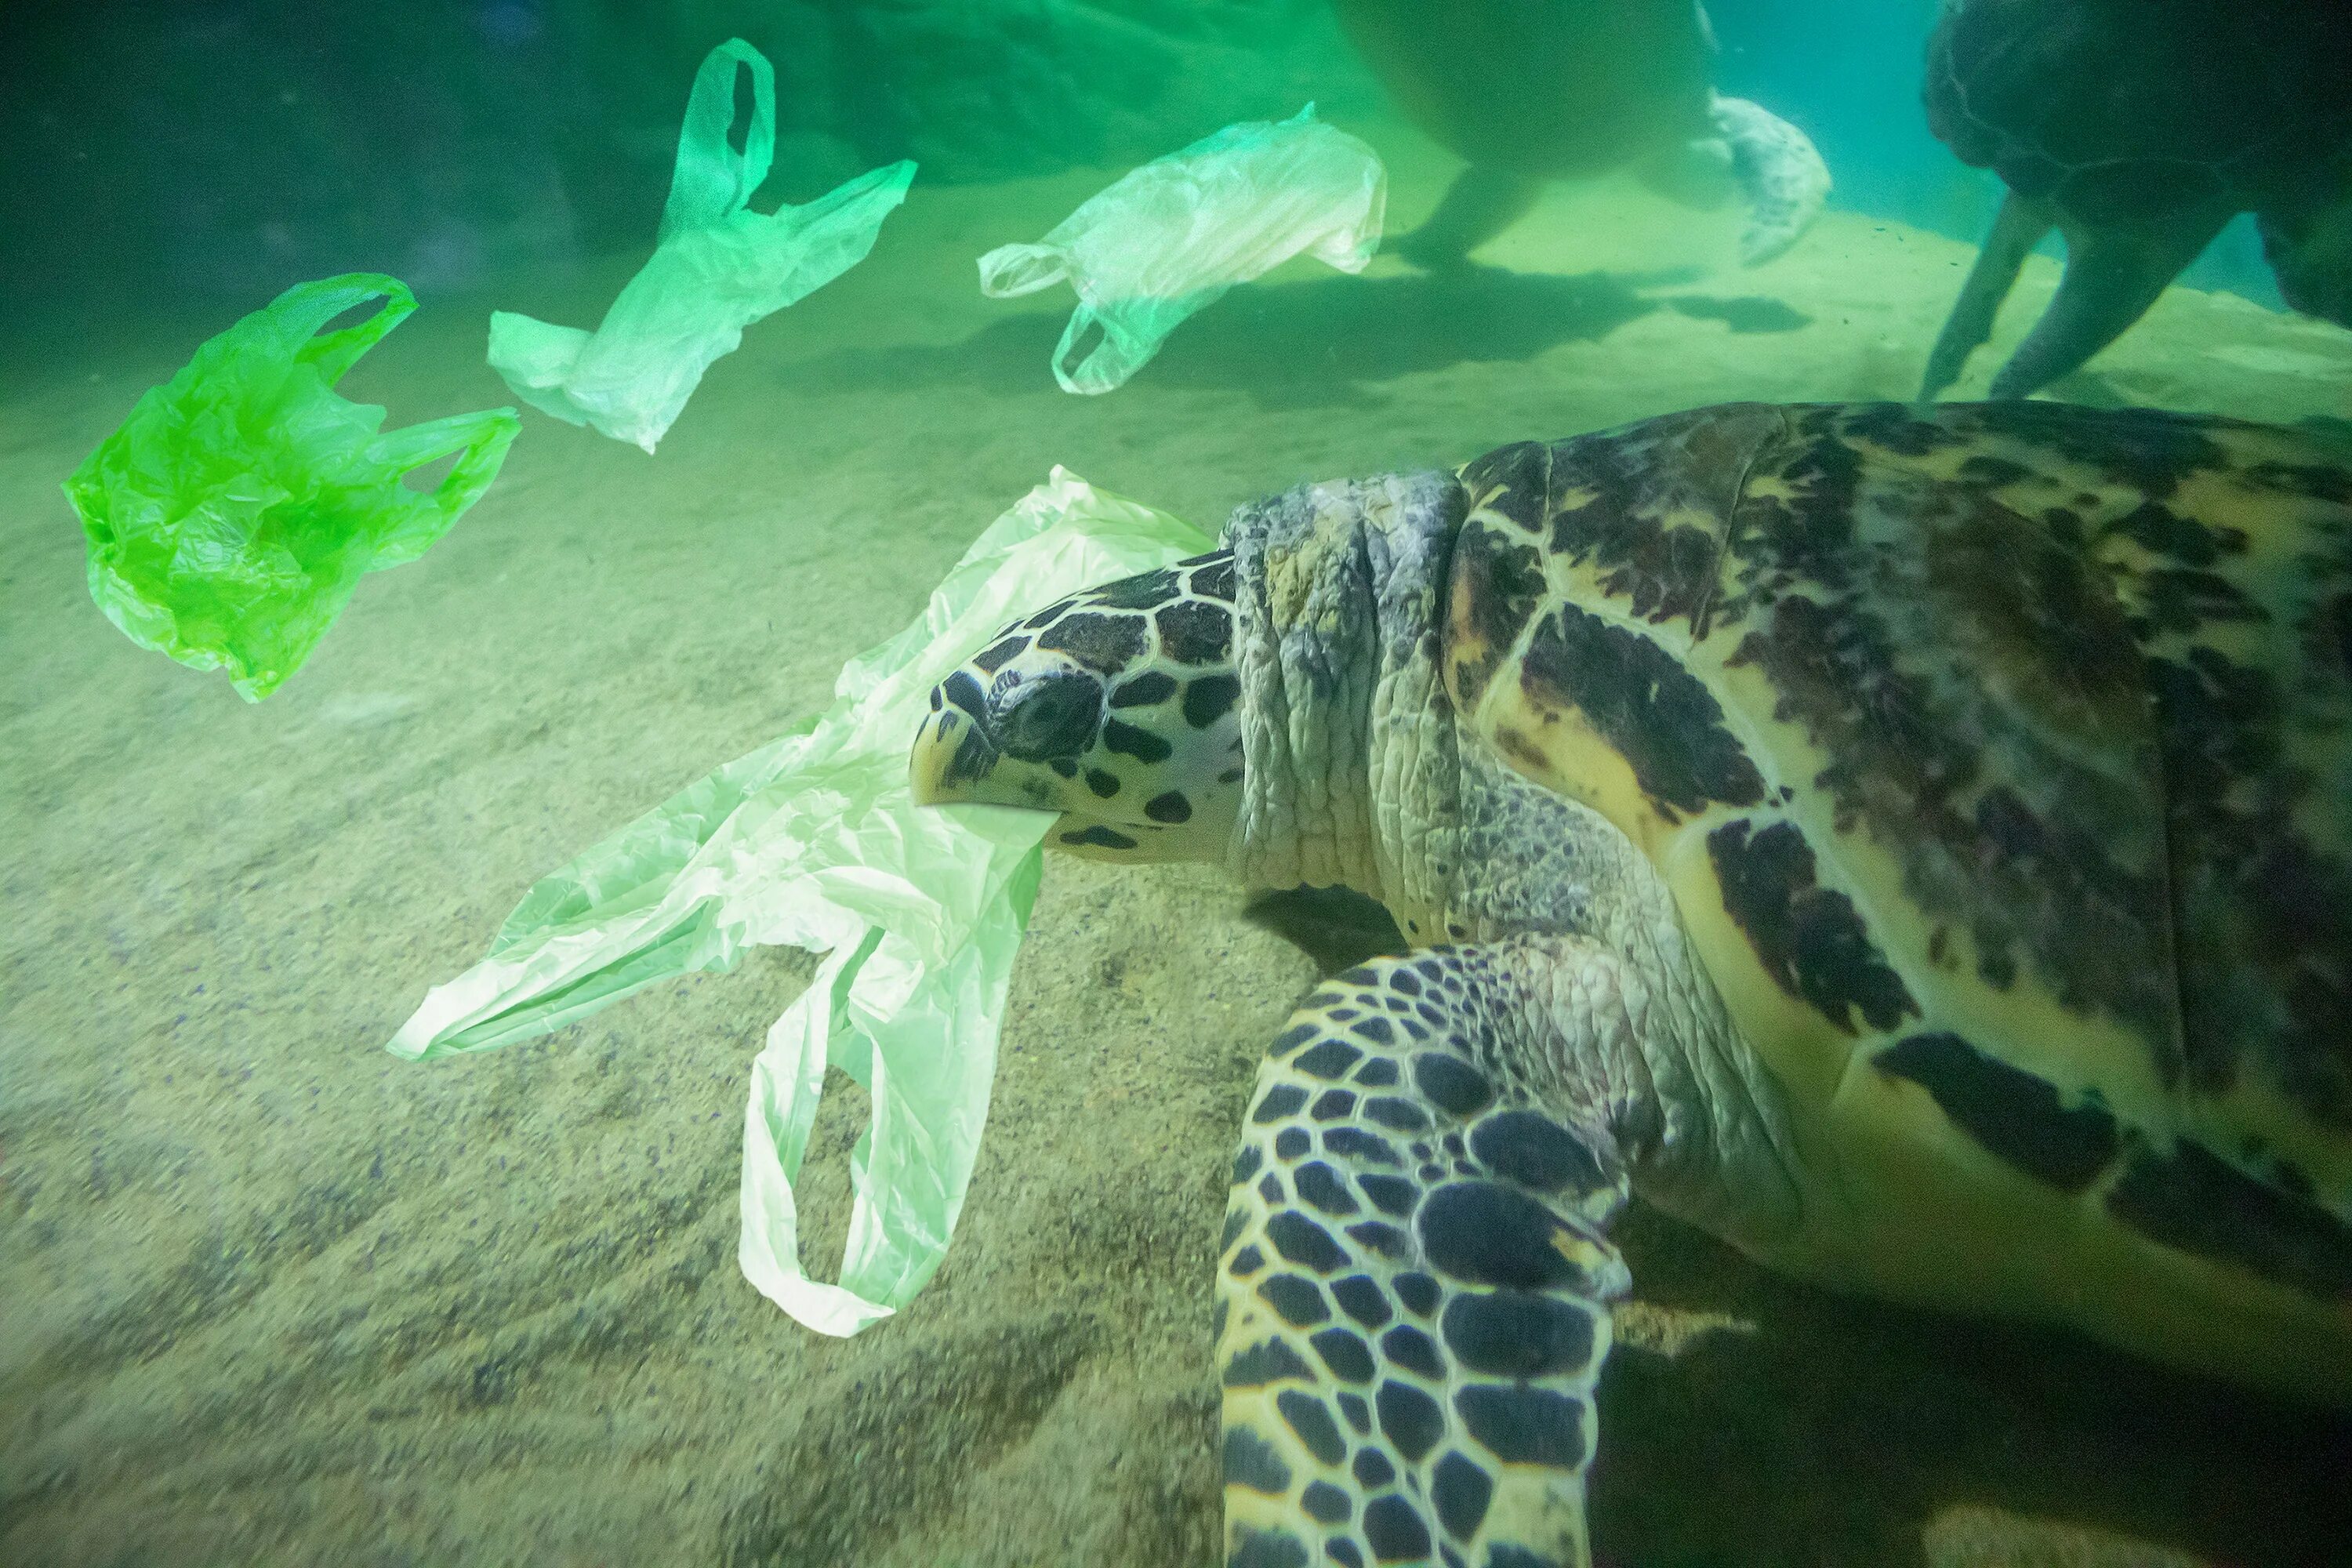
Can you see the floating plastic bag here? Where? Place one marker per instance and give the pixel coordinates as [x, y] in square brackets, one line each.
[814, 841]
[717, 269]
[1170, 238]
[230, 517]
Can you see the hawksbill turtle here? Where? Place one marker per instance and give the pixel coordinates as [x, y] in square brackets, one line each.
[2138, 129]
[1914, 845]
[1529, 91]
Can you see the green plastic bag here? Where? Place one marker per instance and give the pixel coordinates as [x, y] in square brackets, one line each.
[233, 513]
[716, 269]
[814, 841]
[1169, 238]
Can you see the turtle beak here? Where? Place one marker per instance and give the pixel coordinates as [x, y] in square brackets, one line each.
[1018, 747]
[951, 760]
[956, 763]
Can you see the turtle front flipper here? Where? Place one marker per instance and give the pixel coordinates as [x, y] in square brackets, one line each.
[2015, 233]
[1480, 203]
[2113, 276]
[1780, 173]
[1412, 1302]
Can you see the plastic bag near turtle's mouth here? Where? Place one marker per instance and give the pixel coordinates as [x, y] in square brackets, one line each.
[816, 841]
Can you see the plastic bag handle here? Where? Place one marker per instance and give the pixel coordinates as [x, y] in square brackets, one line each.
[1077, 371]
[1011, 270]
[480, 441]
[302, 310]
[712, 182]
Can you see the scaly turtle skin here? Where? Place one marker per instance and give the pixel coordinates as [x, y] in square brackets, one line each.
[1529, 91]
[2138, 128]
[1916, 847]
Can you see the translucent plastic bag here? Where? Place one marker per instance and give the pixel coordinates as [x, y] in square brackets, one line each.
[716, 269]
[1170, 238]
[814, 841]
[233, 513]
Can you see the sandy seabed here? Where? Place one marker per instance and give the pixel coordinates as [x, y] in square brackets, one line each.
[268, 1295]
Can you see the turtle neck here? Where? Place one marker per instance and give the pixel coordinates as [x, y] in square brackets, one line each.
[1347, 733]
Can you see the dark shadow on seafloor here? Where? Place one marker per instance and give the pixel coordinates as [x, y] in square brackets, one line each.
[1744, 314]
[1317, 344]
[1829, 1432]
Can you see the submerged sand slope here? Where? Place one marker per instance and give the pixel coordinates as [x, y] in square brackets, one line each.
[272, 1296]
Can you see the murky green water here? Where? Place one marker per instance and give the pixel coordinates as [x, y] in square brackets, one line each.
[268, 1294]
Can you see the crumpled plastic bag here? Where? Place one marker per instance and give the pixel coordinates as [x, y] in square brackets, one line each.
[233, 511]
[716, 269]
[814, 841]
[1171, 237]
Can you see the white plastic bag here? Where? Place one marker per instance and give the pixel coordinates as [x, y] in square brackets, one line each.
[1170, 238]
[814, 841]
[717, 269]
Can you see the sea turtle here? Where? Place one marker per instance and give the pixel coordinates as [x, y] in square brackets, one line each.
[1529, 91]
[1914, 845]
[2138, 129]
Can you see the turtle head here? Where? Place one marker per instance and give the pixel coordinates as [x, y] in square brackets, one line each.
[2310, 249]
[1114, 707]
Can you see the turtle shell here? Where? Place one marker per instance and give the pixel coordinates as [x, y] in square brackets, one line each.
[1541, 89]
[1999, 753]
[2126, 112]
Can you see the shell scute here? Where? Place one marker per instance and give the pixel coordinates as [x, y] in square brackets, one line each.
[1647, 517]
[2018, 1117]
[2057, 703]
[1498, 583]
[2081, 103]
[1654, 712]
[1809, 937]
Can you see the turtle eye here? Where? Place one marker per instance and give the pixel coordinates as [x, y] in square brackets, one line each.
[1049, 716]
